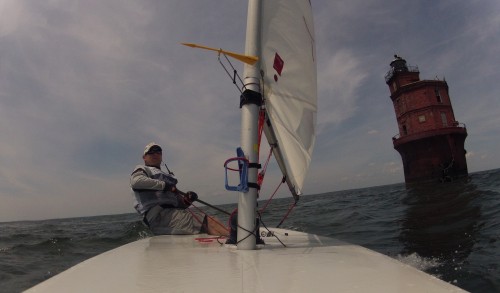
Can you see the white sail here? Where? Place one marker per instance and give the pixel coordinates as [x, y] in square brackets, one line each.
[288, 61]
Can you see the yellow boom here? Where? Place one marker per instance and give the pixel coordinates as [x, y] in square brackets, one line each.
[243, 58]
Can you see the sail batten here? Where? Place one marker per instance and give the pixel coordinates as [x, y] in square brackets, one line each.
[289, 73]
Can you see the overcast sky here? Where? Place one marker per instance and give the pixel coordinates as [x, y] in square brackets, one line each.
[86, 84]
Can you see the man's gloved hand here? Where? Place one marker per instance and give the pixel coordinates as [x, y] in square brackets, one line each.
[188, 198]
[191, 196]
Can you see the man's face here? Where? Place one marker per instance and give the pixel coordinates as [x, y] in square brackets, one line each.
[153, 157]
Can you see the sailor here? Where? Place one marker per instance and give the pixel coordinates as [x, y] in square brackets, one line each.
[164, 209]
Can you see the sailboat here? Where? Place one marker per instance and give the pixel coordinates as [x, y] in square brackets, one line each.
[280, 77]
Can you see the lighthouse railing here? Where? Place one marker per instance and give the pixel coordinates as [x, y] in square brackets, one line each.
[391, 71]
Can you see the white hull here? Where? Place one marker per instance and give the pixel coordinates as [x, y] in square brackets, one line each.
[198, 263]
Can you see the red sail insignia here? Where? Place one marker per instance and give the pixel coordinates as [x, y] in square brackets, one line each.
[278, 63]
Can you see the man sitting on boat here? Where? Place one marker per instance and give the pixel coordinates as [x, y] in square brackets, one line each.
[164, 209]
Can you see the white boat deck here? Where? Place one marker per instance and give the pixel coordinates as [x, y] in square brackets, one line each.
[198, 263]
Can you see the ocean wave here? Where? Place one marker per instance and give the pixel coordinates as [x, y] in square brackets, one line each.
[419, 262]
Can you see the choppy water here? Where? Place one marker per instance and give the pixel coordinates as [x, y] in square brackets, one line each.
[451, 231]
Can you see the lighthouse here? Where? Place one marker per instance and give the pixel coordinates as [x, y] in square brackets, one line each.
[430, 140]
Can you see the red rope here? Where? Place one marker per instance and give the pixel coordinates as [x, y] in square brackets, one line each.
[270, 198]
[262, 173]
[286, 216]
[231, 216]
[262, 118]
[195, 216]
[206, 215]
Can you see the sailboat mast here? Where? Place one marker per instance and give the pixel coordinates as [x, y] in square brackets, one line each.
[250, 104]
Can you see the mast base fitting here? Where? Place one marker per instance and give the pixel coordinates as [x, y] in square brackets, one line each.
[233, 234]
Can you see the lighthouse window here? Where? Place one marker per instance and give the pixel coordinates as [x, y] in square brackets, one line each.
[438, 95]
[443, 119]
[421, 118]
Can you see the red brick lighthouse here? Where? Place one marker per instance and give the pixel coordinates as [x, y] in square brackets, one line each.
[430, 140]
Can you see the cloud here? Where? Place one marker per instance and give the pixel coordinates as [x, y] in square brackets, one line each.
[339, 79]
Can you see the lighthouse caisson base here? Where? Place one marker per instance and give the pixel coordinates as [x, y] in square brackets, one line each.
[435, 158]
